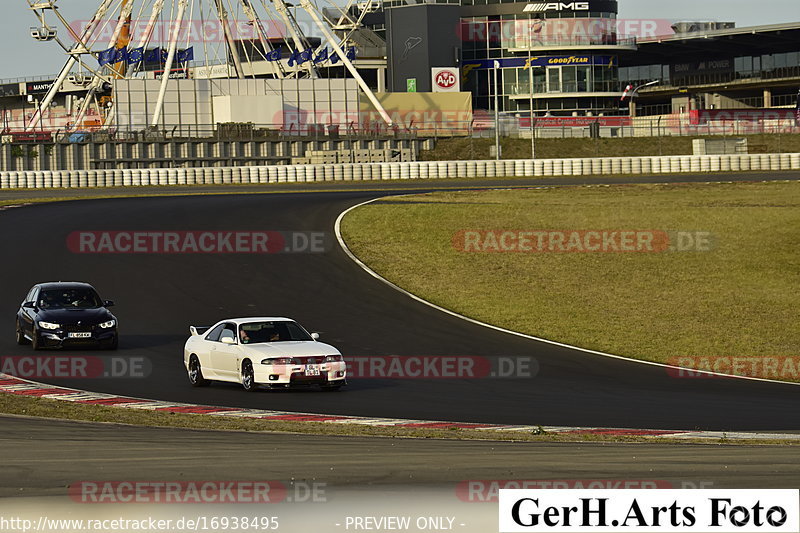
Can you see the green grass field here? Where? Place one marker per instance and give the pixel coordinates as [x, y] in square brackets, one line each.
[738, 299]
[467, 148]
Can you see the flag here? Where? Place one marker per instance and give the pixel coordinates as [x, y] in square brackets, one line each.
[120, 55]
[107, 57]
[185, 55]
[135, 55]
[349, 54]
[300, 57]
[274, 55]
[156, 55]
[322, 56]
[625, 93]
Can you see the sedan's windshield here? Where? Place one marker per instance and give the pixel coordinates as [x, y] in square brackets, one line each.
[279, 331]
[80, 298]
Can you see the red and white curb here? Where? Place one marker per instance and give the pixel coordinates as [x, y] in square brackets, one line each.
[24, 387]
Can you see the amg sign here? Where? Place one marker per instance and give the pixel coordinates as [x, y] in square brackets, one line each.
[556, 6]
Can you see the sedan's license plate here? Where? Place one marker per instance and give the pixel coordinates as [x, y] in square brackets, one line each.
[312, 370]
[81, 335]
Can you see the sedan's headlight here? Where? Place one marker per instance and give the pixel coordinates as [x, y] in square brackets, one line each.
[49, 325]
[280, 361]
[109, 324]
[334, 359]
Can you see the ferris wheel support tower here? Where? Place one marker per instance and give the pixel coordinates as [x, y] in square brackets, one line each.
[121, 38]
[76, 51]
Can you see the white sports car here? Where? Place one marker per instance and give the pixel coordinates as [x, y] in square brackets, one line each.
[268, 351]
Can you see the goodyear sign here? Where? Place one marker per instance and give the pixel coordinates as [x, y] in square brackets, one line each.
[540, 61]
[536, 61]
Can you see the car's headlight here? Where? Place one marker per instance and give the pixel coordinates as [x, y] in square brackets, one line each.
[109, 324]
[49, 325]
[334, 359]
[280, 361]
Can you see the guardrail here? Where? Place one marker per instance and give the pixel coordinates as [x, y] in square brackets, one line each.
[391, 171]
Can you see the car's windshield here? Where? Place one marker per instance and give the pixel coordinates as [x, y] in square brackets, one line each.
[80, 298]
[278, 331]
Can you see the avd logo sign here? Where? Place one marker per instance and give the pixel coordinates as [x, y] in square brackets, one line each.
[445, 80]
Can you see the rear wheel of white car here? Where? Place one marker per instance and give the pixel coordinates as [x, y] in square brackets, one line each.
[196, 373]
[248, 379]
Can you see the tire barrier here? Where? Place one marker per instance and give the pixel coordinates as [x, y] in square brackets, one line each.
[46, 179]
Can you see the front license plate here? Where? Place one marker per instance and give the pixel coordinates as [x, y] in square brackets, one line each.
[80, 335]
[312, 370]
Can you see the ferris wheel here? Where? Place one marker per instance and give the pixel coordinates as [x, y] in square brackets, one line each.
[213, 38]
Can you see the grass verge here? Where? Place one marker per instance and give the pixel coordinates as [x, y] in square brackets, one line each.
[737, 300]
[46, 408]
[468, 148]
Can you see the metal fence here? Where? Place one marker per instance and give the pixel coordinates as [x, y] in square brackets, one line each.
[482, 126]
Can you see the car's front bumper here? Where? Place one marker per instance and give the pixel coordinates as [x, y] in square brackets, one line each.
[330, 374]
[60, 338]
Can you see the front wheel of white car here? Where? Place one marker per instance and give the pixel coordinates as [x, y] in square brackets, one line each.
[196, 373]
[248, 379]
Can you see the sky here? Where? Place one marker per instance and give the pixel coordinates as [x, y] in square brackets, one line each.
[26, 57]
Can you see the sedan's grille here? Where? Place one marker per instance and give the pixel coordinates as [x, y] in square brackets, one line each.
[76, 328]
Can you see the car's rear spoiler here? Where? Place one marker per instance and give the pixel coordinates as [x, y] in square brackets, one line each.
[198, 330]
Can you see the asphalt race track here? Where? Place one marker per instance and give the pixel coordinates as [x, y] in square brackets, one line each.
[159, 296]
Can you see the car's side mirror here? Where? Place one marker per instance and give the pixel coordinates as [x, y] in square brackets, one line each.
[227, 340]
[315, 336]
[108, 303]
[29, 305]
